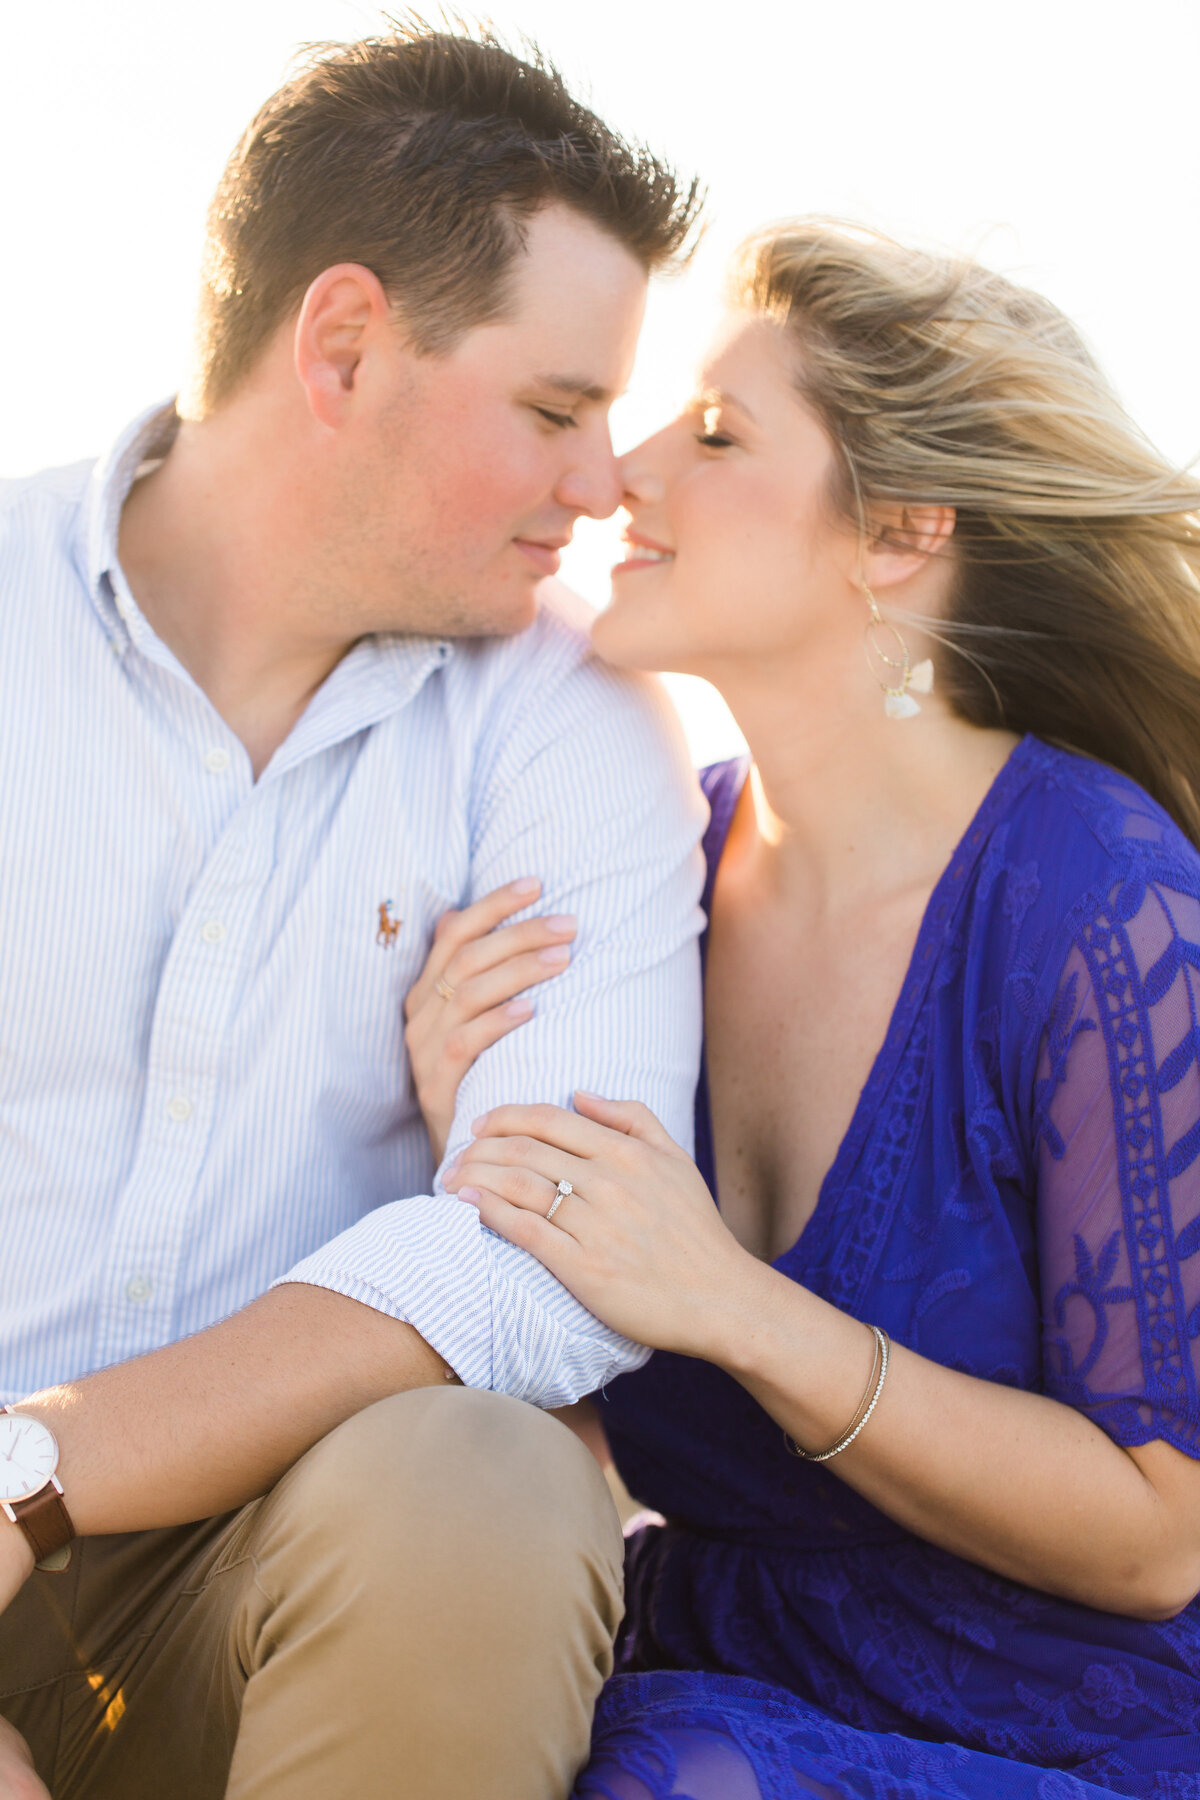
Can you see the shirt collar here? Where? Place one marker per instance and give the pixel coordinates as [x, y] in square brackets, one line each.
[147, 439]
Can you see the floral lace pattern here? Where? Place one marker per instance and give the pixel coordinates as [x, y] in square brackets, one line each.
[1018, 1196]
[1131, 982]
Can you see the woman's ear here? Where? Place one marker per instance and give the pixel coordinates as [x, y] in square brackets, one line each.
[904, 538]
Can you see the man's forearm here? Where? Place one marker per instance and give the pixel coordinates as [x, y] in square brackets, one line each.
[203, 1426]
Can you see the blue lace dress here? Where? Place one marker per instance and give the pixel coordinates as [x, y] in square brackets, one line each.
[1018, 1196]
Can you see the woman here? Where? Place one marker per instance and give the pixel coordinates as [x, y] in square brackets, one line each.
[924, 1424]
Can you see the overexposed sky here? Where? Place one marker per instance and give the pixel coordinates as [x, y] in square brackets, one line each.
[1057, 139]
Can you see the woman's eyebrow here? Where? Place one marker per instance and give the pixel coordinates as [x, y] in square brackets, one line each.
[721, 397]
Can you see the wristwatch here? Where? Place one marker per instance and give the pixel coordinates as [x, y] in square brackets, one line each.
[30, 1491]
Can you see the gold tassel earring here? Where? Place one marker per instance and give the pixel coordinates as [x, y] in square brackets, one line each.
[898, 676]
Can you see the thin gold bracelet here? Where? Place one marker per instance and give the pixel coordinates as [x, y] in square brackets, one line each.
[866, 1405]
[859, 1410]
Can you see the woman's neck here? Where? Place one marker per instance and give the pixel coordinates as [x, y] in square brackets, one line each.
[846, 805]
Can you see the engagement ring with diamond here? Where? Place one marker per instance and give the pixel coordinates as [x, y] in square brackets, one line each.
[560, 1193]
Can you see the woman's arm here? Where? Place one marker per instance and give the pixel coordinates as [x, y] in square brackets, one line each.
[1016, 1482]
[1020, 1483]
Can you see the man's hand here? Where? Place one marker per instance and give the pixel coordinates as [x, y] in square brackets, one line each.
[16, 1561]
[17, 1778]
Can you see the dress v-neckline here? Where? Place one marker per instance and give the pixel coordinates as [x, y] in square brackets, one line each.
[942, 903]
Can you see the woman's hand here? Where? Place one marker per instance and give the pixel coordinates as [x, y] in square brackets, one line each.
[1015, 1481]
[485, 965]
[639, 1241]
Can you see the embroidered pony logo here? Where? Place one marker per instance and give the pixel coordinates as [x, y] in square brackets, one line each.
[389, 928]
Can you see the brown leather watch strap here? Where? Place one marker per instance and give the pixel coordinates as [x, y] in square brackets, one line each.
[45, 1521]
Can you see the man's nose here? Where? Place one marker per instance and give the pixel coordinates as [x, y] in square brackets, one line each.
[593, 484]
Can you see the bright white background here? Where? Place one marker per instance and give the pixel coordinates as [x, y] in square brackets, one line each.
[1057, 139]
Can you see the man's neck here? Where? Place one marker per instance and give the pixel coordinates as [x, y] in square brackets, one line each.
[211, 548]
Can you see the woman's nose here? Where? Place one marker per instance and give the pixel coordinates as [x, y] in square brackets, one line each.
[641, 481]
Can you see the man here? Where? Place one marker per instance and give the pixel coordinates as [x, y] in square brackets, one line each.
[277, 693]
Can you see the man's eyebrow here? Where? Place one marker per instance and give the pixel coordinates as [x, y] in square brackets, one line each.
[577, 386]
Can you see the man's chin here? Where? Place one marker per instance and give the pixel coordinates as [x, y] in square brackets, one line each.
[485, 618]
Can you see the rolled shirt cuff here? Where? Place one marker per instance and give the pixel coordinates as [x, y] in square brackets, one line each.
[492, 1312]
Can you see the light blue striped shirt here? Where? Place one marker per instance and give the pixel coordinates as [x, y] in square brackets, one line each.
[203, 1083]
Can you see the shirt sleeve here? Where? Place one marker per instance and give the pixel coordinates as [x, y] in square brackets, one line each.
[585, 781]
[1119, 1169]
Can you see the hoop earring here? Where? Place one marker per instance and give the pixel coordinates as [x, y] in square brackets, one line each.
[898, 676]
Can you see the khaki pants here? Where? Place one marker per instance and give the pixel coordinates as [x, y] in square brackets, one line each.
[422, 1609]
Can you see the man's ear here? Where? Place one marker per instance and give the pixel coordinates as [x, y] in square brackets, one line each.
[903, 539]
[342, 312]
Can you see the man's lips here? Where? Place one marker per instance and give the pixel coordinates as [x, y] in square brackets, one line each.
[544, 557]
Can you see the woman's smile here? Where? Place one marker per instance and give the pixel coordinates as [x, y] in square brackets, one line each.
[641, 553]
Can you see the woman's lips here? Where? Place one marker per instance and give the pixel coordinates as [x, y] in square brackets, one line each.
[642, 553]
[544, 557]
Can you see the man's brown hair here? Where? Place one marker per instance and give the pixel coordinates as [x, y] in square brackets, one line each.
[417, 154]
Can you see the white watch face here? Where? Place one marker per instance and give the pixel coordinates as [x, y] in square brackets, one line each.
[28, 1456]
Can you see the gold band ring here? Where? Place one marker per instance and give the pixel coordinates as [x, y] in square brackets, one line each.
[560, 1193]
[442, 986]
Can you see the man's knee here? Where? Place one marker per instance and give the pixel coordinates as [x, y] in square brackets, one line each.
[442, 1576]
[462, 1477]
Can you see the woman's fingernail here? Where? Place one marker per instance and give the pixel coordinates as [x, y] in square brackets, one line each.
[528, 884]
[556, 956]
[518, 1009]
[470, 1195]
[478, 1124]
[561, 924]
[586, 1094]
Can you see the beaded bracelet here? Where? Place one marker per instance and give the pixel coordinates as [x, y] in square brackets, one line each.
[866, 1405]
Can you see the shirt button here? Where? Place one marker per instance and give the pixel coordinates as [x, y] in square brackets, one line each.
[216, 761]
[179, 1108]
[212, 931]
[138, 1289]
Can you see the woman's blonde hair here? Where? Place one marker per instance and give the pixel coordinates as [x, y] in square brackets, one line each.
[1075, 611]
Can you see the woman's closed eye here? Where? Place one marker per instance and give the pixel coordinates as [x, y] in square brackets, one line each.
[712, 437]
[563, 421]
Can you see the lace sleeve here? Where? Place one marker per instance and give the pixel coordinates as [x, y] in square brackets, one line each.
[1118, 1118]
